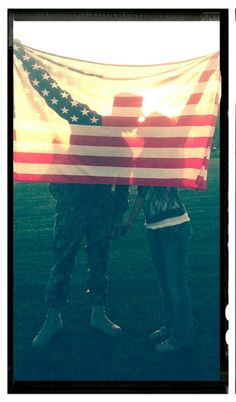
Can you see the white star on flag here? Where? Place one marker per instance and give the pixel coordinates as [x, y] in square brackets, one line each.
[94, 120]
[54, 85]
[35, 82]
[64, 110]
[64, 94]
[45, 92]
[54, 101]
[45, 76]
[84, 112]
[26, 57]
[74, 103]
[36, 66]
[74, 118]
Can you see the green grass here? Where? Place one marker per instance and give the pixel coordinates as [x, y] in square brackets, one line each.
[78, 353]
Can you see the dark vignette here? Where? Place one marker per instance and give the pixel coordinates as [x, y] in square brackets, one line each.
[129, 387]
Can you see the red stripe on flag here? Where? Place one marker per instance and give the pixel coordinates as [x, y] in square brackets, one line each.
[206, 75]
[194, 98]
[128, 101]
[137, 142]
[168, 163]
[109, 180]
[210, 141]
[205, 163]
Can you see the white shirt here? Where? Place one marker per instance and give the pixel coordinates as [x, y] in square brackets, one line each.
[168, 222]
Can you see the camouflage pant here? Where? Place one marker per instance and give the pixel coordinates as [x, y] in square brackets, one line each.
[75, 219]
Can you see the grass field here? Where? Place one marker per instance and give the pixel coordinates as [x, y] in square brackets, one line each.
[78, 353]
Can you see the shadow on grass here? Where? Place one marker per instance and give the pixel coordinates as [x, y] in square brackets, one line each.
[80, 353]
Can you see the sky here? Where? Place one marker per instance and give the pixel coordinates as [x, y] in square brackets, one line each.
[121, 42]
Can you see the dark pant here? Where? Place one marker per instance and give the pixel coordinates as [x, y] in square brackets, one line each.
[169, 247]
[75, 220]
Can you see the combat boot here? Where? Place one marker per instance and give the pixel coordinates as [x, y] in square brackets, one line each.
[52, 325]
[100, 321]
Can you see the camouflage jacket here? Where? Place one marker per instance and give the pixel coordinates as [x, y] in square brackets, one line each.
[93, 196]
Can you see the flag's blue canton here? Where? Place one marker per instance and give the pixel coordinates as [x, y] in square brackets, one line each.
[55, 97]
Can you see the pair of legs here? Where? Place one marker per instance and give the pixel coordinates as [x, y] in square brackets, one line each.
[73, 223]
[169, 247]
[79, 217]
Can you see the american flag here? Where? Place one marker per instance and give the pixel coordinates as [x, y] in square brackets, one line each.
[84, 122]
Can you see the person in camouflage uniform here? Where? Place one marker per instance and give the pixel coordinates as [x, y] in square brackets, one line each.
[82, 210]
[93, 212]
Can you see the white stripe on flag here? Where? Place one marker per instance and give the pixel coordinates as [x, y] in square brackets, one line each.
[110, 151]
[55, 130]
